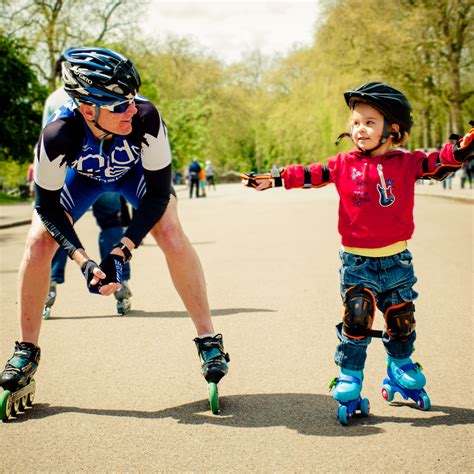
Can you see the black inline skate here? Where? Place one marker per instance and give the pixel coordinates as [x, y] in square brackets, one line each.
[17, 380]
[51, 298]
[123, 296]
[214, 365]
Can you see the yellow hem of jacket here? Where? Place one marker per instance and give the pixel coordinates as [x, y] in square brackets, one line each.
[387, 251]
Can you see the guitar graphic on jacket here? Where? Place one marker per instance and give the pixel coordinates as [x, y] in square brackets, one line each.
[387, 198]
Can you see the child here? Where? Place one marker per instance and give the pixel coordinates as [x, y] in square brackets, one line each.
[376, 188]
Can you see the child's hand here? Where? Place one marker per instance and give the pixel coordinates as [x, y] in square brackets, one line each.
[464, 148]
[260, 182]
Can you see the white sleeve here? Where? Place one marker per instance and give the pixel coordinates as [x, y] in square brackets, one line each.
[49, 174]
[156, 152]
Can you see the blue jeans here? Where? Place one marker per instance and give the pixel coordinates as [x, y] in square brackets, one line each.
[107, 211]
[391, 280]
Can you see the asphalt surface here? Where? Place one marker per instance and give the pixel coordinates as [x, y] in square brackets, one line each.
[124, 394]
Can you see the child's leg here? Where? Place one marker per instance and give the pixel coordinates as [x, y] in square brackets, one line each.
[398, 338]
[357, 290]
[399, 313]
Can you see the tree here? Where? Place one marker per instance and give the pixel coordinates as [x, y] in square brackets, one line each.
[21, 102]
[51, 26]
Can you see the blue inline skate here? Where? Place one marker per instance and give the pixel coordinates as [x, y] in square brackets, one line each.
[17, 380]
[406, 378]
[214, 365]
[346, 390]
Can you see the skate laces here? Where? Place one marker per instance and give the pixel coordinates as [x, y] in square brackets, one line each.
[11, 369]
[210, 349]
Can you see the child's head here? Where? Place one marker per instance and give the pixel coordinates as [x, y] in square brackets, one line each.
[381, 116]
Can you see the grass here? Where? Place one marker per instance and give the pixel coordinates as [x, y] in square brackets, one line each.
[8, 199]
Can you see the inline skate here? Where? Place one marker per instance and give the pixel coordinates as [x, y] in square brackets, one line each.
[123, 296]
[406, 378]
[50, 299]
[346, 390]
[17, 380]
[214, 365]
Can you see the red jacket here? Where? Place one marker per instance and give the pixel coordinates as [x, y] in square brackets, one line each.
[376, 194]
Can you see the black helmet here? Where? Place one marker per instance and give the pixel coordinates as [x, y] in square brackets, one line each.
[99, 76]
[392, 103]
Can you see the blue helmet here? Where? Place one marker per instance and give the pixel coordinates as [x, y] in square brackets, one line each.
[99, 76]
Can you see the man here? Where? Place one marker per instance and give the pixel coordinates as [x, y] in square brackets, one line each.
[108, 211]
[105, 139]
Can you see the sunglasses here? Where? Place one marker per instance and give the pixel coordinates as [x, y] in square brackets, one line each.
[118, 107]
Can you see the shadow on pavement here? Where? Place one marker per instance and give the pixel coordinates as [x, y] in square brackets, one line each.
[203, 242]
[308, 414]
[168, 314]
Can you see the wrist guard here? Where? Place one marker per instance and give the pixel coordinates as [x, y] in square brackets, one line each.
[87, 270]
[125, 250]
[112, 266]
[463, 149]
[250, 179]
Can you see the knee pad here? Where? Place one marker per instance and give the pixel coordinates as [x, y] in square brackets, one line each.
[400, 320]
[359, 312]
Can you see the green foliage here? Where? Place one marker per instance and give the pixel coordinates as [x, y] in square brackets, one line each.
[12, 174]
[260, 112]
[21, 102]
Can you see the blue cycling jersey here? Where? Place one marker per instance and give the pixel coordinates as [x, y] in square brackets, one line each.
[67, 139]
[72, 169]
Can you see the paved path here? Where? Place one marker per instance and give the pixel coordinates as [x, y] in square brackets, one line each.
[125, 394]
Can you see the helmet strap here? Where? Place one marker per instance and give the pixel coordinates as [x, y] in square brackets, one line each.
[383, 139]
[96, 123]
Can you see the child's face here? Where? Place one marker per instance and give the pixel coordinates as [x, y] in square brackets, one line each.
[367, 127]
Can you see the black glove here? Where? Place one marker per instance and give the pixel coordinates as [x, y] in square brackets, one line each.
[87, 270]
[112, 266]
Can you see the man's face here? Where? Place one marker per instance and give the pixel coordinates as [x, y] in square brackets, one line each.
[117, 123]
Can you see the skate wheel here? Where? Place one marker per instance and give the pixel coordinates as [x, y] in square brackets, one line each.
[365, 407]
[46, 312]
[213, 397]
[15, 407]
[424, 403]
[342, 415]
[5, 405]
[30, 399]
[22, 403]
[387, 393]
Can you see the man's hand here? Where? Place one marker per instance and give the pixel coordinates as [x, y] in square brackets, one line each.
[98, 282]
[260, 182]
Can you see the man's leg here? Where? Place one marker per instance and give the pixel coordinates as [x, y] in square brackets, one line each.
[185, 267]
[33, 279]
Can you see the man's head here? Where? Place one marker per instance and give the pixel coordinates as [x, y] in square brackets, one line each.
[103, 84]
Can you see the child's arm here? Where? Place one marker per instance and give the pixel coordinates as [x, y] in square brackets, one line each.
[439, 166]
[293, 176]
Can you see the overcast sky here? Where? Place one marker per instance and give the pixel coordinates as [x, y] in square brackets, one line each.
[229, 28]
